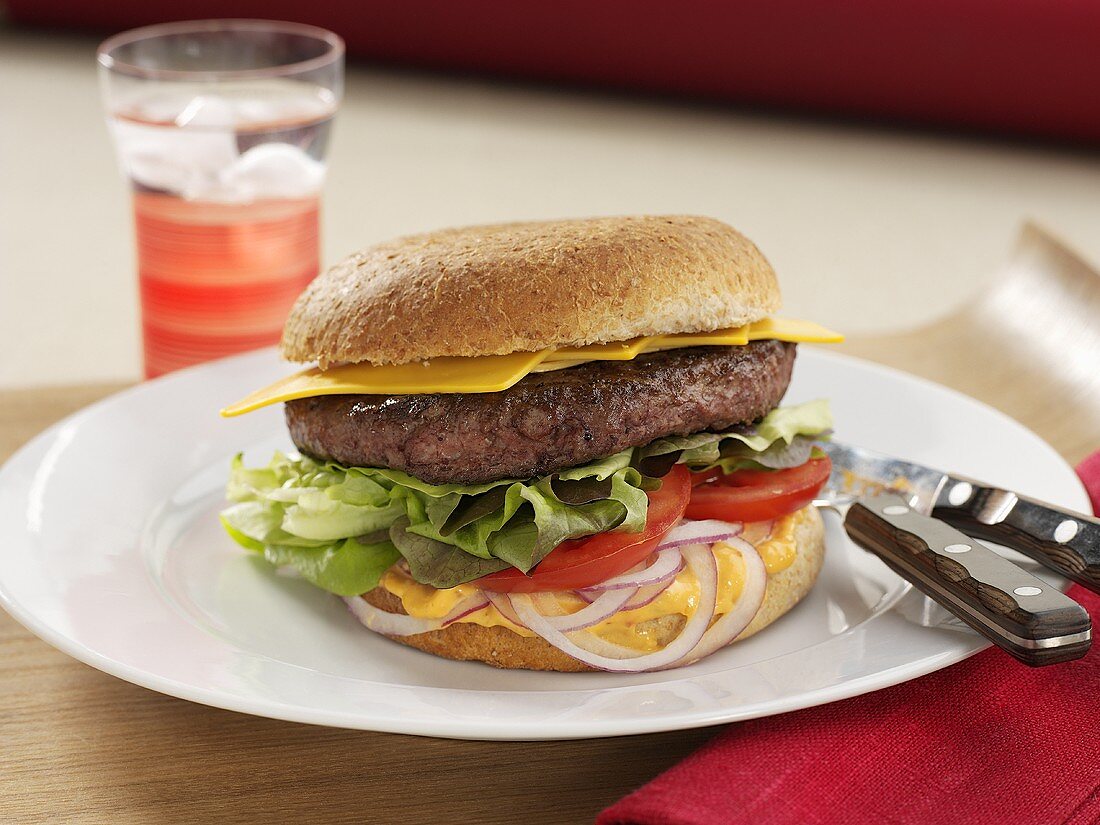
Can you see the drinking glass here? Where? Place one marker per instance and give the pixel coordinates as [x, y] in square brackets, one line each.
[221, 128]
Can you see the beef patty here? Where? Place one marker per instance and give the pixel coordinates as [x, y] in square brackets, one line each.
[548, 421]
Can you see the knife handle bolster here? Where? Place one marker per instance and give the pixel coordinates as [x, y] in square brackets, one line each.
[1030, 619]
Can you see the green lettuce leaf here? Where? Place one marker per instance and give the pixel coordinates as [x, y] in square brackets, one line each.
[783, 438]
[346, 568]
[299, 503]
[342, 527]
[438, 564]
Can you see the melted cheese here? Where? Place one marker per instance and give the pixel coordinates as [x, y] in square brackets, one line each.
[493, 373]
[791, 329]
[627, 627]
[615, 351]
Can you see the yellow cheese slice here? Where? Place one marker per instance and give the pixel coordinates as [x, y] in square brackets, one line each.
[493, 373]
[794, 330]
[615, 351]
[629, 350]
[490, 373]
[732, 337]
[551, 366]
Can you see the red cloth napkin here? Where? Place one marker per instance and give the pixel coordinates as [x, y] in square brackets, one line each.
[985, 741]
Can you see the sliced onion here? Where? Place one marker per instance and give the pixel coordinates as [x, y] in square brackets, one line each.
[604, 607]
[733, 624]
[576, 644]
[706, 531]
[389, 624]
[666, 564]
[465, 607]
[598, 645]
[645, 595]
[501, 602]
[758, 532]
[400, 624]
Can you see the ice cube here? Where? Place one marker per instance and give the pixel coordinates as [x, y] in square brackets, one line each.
[284, 109]
[186, 162]
[208, 112]
[273, 170]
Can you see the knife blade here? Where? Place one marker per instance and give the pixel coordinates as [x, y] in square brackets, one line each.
[1058, 538]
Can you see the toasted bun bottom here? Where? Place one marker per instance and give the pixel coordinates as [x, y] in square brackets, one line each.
[502, 648]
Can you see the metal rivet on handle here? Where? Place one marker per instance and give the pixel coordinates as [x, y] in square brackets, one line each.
[958, 548]
[960, 493]
[895, 510]
[1065, 531]
[1028, 591]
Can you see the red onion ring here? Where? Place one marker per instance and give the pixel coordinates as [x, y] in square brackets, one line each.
[504, 607]
[604, 607]
[645, 595]
[471, 604]
[758, 532]
[666, 565]
[705, 531]
[386, 623]
[733, 624]
[701, 562]
[400, 624]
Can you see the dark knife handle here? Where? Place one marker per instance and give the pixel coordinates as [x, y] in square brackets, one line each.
[1032, 620]
[1062, 540]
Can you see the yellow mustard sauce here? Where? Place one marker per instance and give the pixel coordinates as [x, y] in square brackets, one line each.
[624, 628]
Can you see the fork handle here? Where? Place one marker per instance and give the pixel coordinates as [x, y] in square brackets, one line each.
[1062, 540]
[1030, 619]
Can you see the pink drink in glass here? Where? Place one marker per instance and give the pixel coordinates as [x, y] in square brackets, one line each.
[226, 175]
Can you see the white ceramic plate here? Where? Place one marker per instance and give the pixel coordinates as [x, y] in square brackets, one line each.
[110, 550]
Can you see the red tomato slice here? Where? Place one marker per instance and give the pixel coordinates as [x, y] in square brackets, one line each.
[583, 562]
[759, 495]
[703, 477]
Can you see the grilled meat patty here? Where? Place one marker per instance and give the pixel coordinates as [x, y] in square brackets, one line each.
[548, 421]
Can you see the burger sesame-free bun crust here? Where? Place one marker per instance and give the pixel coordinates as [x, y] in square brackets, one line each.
[521, 287]
[502, 648]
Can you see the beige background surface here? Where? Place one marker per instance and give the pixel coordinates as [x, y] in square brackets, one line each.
[869, 228]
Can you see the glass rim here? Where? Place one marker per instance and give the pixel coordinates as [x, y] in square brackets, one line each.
[106, 59]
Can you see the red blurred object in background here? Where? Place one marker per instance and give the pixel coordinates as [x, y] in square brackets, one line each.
[1024, 67]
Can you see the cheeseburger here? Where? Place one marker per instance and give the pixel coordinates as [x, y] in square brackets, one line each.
[553, 445]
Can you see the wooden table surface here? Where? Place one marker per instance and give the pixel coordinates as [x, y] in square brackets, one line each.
[77, 745]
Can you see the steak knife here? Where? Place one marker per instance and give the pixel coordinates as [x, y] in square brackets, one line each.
[1030, 619]
[1063, 540]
